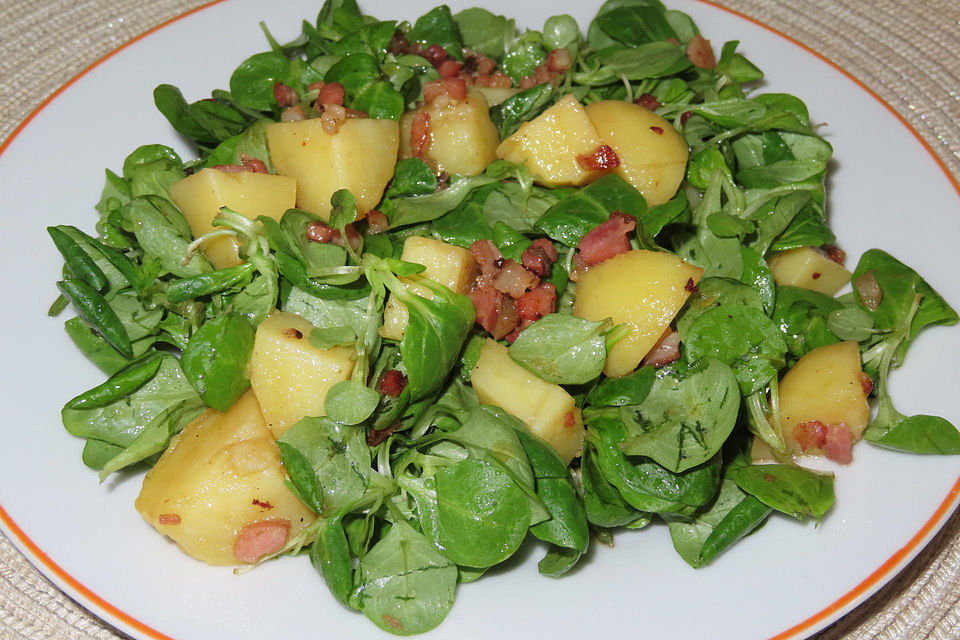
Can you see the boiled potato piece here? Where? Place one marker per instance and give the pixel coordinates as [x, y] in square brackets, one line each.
[359, 157]
[291, 377]
[641, 289]
[544, 407]
[552, 143]
[653, 156]
[824, 386]
[201, 196]
[220, 480]
[496, 95]
[808, 268]
[463, 138]
[447, 264]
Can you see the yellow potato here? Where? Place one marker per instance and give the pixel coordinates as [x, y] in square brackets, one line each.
[201, 196]
[808, 268]
[641, 289]
[463, 138]
[548, 410]
[653, 156]
[359, 157]
[291, 377]
[496, 95]
[222, 473]
[552, 143]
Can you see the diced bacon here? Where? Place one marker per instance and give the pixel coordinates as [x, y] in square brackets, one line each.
[420, 136]
[810, 434]
[484, 64]
[392, 383]
[332, 117]
[538, 257]
[399, 44]
[514, 280]
[835, 253]
[377, 222]
[375, 437]
[332, 93]
[691, 286]
[701, 53]
[256, 165]
[293, 114]
[261, 539]
[541, 75]
[454, 87]
[498, 80]
[606, 240]
[496, 312]
[230, 168]
[838, 442]
[559, 61]
[686, 115]
[657, 130]
[648, 102]
[569, 419]
[866, 383]
[537, 303]
[602, 158]
[450, 68]
[666, 351]
[285, 96]
[435, 54]
[487, 256]
[293, 333]
[319, 232]
[354, 113]
[168, 518]
[867, 287]
[352, 235]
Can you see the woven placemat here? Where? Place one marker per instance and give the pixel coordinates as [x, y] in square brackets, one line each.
[907, 52]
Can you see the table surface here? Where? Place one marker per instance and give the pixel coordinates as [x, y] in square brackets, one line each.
[907, 52]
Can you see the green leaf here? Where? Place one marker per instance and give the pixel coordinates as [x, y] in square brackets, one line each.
[576, 214]
[215, 360]
[630, 389]
[792, 490]
[437, 26]
[562, 348]
[350, 402]
[920, 434]
[252, 82]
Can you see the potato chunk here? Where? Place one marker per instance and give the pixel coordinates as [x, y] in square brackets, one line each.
[290, 376]
[825, 387]
[808, 268]
[653, 156]
[220, 479]
[552, 143]
[359, 157]
[496, 95]
[463, 139]
[544, 407]
[641, 289]
[446, 264]
[201, 196]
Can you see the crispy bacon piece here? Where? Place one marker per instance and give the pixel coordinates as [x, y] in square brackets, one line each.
[332, 117]
[666, 351]
[454, 87]
[319, 232]
[261, 539]
[450, 68]
[606, 240]
[657, 130]
[481, 64]
[375, 437]
[377, 222]
[353, 236]
[497, 79]
[701, 53]
[559, 61]
[487, 256]
[435, 54]
[247, 163]
[541, 75]
[420, 136]
[537, 303]
[285, 96]
[838, 443]
[691, 286]
[866, 383]
[569, 419]
[399, 44]
[169, 518]
[648, 102]
[392, 383]
[685, 116]
[293, 114]
[496, 312]
[539, 256]
[331, 93]
[354, 113]
[293, 332]
[835, 253]
[810, 434]
[514, 280]
[603, 158]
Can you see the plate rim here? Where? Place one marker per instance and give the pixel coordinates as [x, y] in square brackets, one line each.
[845, 603]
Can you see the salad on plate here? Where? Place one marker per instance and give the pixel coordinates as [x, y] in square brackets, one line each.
[431, 291]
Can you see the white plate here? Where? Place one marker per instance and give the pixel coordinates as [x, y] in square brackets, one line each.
[786, 582]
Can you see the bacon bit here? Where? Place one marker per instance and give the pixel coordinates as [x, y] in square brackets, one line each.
[420, 136]
[399, 44]
[606, 240]
[314, 86]
[539, 256]
[255, 165]
[352, 235]
[815, 275]
[285, 96]
[331, 93]
[377, 222]
[835, 253]
[229, 168]
[319, 232]
[355, 114]
[665, 351]
[332, 117]
[603, 158]
[537, 303]
[496, 312]
[569, 419]
[454, 87]
[497, 80]
[838, 443]
[685, 116]
[263, 504]
[450, 68]
[768, 477]
[293, 333]
[701, 53]
[293, 114]
[487, 256]
[393, 622]
[169, 518]
[810, 434]
[648, 102]
[559, 61]
[541, 75]
[483, 64]
[657, 130]
[392, 383]
[866, 383]
[869, 290]
[514, 280]
[375, 437]
[435, 54]
[261, 539]
[691, 286]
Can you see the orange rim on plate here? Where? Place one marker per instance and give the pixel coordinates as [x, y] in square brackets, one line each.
[872, 582]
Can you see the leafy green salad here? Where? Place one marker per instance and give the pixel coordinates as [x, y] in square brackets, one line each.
[429, 291]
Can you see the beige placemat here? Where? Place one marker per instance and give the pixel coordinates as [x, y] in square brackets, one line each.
[908, 52]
